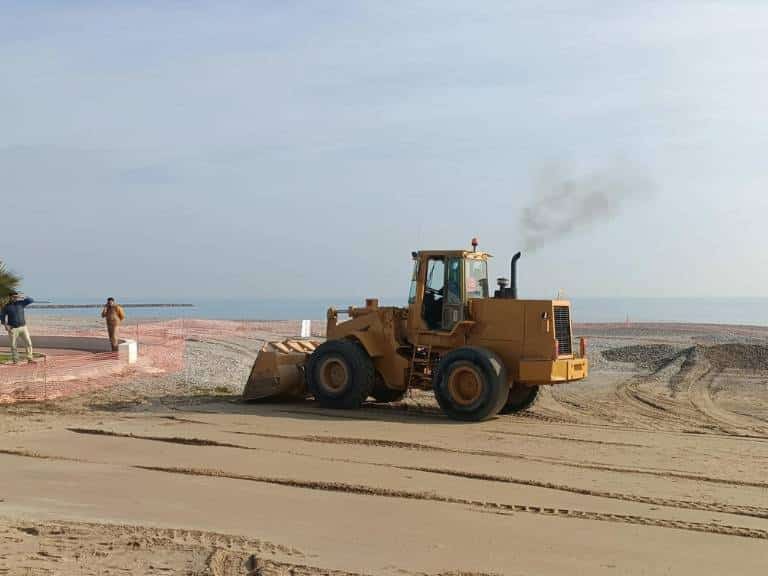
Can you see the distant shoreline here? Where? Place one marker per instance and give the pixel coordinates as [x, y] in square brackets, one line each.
[719, 311]
[78, 306]
[579, 328]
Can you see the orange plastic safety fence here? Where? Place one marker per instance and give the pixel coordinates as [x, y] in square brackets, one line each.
[161, 350]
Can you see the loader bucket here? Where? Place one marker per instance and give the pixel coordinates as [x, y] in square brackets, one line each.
[278, 372]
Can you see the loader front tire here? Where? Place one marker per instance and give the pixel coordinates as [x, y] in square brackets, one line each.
[520, 397]
[340, 374]
[471, 384]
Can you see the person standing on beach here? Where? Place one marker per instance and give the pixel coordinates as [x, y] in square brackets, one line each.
[12, 318]
[114, 315]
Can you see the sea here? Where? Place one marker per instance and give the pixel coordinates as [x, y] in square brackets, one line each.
[747, 311]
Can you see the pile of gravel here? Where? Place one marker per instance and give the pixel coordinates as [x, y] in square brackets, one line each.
[649, 356]
[739, 356]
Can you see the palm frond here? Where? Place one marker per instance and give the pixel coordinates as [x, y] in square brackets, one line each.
[8, 282]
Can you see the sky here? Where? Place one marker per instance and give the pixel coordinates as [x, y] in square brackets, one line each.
[289, 149]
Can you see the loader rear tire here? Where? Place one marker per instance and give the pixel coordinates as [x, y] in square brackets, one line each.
[519, 398]
[471, 384]
[340, 374]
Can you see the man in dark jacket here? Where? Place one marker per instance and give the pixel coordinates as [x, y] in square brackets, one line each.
[12, 318]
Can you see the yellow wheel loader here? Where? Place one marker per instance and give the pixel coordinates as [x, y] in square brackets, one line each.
[482, 354]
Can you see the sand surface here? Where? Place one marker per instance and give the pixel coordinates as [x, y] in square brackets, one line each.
[656, 465]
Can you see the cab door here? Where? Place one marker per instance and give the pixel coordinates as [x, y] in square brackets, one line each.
[442, 305]
[453, 296]
[434, 293]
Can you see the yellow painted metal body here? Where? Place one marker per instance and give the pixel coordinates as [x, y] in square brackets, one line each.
[521, 332]
[381, 332]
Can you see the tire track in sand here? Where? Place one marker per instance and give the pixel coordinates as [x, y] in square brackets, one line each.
[734, 509]
[700, 398]
[568, 439]
[659, 413]
[753, 511]
[168, 439]
[31, 454]
[738, 510]
[71, 547]
[710, 528]
[425, 447]
[540, 459]
[677, 394]
[661, 410]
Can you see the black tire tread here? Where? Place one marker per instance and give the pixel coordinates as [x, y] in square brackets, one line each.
[361, 370]
[497, 391]
[513, 407]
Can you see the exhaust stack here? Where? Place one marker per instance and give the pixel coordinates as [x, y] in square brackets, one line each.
[508, 288]
[513, 277]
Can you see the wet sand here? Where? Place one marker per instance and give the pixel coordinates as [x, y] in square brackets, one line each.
[658, 464]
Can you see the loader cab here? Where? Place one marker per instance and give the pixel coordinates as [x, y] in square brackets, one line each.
[441, 286]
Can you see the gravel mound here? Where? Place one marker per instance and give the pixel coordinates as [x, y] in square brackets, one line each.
[740, 356]
[649, 356]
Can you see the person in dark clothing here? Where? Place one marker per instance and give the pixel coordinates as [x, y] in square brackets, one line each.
[12, 318]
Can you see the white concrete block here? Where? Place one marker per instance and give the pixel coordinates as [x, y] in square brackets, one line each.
[128, 350]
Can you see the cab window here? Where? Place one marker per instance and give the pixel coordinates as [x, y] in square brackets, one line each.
[476, 278]
[435, 275]
[414, 283]
[434, 291]
[453, 281]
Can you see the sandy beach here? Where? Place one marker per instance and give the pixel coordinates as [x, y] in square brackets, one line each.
[535, 227]
[658, 464]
